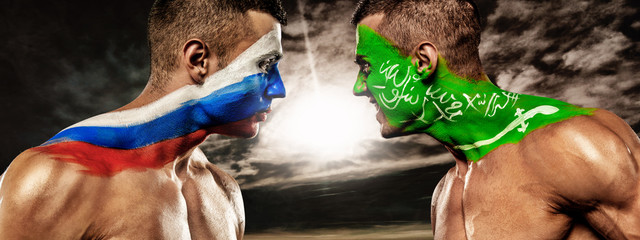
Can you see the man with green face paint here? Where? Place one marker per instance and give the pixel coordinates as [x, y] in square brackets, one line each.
[527, 167]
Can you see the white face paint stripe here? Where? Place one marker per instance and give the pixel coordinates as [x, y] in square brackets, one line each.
[246, 64]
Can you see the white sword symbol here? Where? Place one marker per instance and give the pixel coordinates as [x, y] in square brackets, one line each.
[519, 121]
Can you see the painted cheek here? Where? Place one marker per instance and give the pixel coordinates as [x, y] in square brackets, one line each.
[376, 85]
[389, 95]
[254, 97]
[391, 81]
[235, 102]
[360, 87]
[275, 88]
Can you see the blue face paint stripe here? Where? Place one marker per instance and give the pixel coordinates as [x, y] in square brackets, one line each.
[229, 104]
[276, 88]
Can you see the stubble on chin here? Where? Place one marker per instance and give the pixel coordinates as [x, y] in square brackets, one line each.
[388, 131]
[246, 128]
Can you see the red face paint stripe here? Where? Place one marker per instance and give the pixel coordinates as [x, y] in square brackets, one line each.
[106, 162]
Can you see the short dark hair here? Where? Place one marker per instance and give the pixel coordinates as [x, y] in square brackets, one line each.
[220, 23]
[452, 25]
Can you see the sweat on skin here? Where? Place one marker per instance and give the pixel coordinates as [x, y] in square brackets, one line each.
[474, 117]
[139, 138]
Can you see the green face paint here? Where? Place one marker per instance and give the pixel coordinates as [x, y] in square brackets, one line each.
[474, 117]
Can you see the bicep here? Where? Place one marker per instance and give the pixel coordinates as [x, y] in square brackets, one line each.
[616, 221]
[616, 201]
[15, 221]
[603, 177]
[588, 163]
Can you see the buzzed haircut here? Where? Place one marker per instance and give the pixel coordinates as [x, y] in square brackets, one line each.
[220, 23]
[453, 26]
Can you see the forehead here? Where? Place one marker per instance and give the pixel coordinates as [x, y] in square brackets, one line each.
[262, 23]
[373, 21]
[245, 64]
[268, 44]
[372, 44]
[265, 38]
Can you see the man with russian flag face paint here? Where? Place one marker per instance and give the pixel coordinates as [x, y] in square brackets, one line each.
[136, 172]
[527, 167]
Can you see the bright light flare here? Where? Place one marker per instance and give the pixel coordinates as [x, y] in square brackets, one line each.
[330, 124]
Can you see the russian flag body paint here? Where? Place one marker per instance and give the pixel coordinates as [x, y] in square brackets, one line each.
[104, 161]
[153, 135]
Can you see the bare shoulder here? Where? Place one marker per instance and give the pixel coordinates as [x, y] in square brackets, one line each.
[33, 173]
[437, 192]
[215, 183]
[591, 158]
[445, 180]
[220, 190]
[620, 128]
[35, 193]
[201, 167]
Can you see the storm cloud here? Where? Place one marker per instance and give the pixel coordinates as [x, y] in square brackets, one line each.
[582, 52]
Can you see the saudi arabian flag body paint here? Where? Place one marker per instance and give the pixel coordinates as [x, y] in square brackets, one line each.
[474, 117]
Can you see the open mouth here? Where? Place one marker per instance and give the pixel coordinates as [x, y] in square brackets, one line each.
[262, 115]
[373, 101]
[379, 115]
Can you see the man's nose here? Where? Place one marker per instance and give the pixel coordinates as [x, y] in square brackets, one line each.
[360, 88]
[275, 89]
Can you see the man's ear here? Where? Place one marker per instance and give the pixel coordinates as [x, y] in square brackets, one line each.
[196, 58]
[425, 57]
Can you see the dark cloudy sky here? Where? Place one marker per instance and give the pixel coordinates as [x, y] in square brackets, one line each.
[319, 160]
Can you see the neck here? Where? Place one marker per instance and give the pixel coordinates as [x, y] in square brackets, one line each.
[158, 86]
[470, 116]
[112, 142]
[474, 117]
[150, 132]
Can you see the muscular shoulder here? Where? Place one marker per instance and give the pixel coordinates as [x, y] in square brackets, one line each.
[445, 180]
[437, 192]
[33, 174]
[35, 191]
[620, 128]
[201, 167]
[587, 157]
[214, 183]
[207, 181]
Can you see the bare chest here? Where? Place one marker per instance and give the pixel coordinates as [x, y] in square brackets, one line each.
[161, 208]
[493, 202]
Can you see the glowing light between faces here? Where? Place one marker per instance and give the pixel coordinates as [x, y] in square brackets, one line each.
[330, 124]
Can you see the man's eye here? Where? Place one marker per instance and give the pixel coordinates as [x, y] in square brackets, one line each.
[365, 68]
[265, 65]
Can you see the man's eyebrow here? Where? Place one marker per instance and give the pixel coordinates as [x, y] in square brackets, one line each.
[275, 54]
[360, 60]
